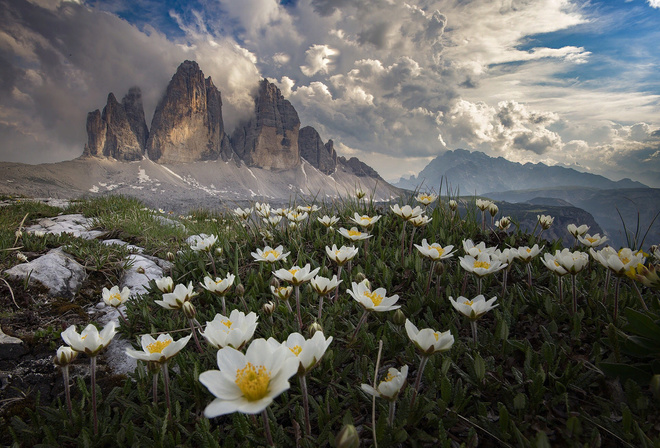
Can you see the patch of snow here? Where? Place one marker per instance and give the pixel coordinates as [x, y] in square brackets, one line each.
[110, 187]
[171, 172]
[302, 166]
[252, 174]
[102, 184]
[142, 175]
[94, 189]
[252, 193]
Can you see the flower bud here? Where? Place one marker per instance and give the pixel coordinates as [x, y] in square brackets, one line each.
[64, 356]
[189, 310]
[21, 257]
[439, 268]
[453, 205]
[218, 251]
[170, 256]
[347, 437]
[140, 270]
[313, 328]
[19, 233]
[240, 290]
[398, 317]
[275, 283]
[360, 277]
[268, 307]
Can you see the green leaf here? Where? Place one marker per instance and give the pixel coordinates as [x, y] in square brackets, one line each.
[625, 371]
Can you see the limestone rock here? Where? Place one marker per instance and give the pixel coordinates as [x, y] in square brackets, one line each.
[321, 156]
[359, 168]
[134, 109]
[10, 347]
[187, 125]
[76, 224]
[57, 271]
[270, 139]
[110, 134]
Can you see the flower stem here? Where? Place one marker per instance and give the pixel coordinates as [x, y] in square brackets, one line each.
[224, 305]
[617, 283]
[362, 320]
[561, 290]
[574, 284]
[92, 368]
[418, 379]
[305, 397]
[300, 322]
[483, 220]
[529, 274]
[641, 299]
[479, 285]
[339, 278]
[155, 387]
[67, 391]
[192, 327]
[403, 241]
[269, 437]
[166, 378]
[373, 399]
[366, 248]
[215, 274]
[607, 284]
[473, 324]
[505, 276]
[390, 417]
[412, 238]
[122, 317]
[320, 307]
[428, 284]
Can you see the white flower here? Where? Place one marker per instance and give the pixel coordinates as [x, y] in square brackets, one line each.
[90, 341]
[504, 223]
[64, 356]
[373, 301]
[365, 221]
[354, 234]
[203, 243]
[618, 262]
[359, 193]
[435, 251]
[493, 209]
[390, 387]
[406, 212]
[526, 253]
[297, 217]
[328, 221]
[220, 285]
[158, 350]
[323, 285]
[592, 241]
[165, 284]
[482, 265]
[296, 275]
[483, 204]
[243, 213]
[175, 299]
[308, 208]
[550, 262]
[21, 257]
[272, 220]
[233, 331]
[545, 221]
[474, 308]
[281, 211]
[308, 351]
[282, 293]
[453, 204]
[263, 210]
[572, 262]
[577, 231]
[270, 255]
[341, 255]
[114, 297]
[426, 198]
[474, 250]
[248, 383]
[421, 220]
[429, 341]
[506, 256]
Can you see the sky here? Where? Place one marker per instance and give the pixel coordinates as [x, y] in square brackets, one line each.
[394, 83]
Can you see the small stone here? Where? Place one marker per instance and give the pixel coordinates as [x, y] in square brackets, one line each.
[11, 347]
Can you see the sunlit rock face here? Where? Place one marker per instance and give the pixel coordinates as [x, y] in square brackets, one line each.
[187, 125]
[270, 139]
[321, 156]
[117, 133]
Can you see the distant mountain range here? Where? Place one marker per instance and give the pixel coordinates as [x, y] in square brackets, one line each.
[186, 157]
[472, 173]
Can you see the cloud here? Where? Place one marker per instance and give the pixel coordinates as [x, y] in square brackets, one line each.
[319, 60]
[654, 3]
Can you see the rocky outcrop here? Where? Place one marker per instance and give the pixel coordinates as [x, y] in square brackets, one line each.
[187, 125]
[111, 134]
[319, 155]
[270, 139]
[134, 109]
[359, 168]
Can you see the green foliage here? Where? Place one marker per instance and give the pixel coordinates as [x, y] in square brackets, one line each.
[534, 379]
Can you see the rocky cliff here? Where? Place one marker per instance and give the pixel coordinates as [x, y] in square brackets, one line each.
[187, 125]
[270, 139]
[359, 168]
[321, 156]
[117, 132]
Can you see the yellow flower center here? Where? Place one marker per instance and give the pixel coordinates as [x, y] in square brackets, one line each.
[227, 324]
[425, 198]
[354, 233]
[115, 296]
[592, 240]
[481, 264]
[293, 271]
[625, 260]
[437, 336]
[253, 381]
[296, 350]
[388, 378]
[438, 249]
[158, 346]
[468, 303]
[557, 263]
[337, 253]
[83, 338]
[273, 252]
[529, 251]
[375, 298]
